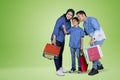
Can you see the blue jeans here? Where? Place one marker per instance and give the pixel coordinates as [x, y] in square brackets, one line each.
[58, 61]
[75, 52]
[97, 62]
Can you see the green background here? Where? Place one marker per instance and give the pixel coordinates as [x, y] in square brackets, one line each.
[26, 26]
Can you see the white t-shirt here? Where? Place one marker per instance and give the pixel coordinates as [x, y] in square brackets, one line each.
[99, 35]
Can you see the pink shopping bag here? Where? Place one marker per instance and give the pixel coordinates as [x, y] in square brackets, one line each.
[94, 53]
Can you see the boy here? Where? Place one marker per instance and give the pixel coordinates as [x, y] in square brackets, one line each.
[93, 29]
[76, 42]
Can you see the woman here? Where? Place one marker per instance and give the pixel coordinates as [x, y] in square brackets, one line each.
[58, 37]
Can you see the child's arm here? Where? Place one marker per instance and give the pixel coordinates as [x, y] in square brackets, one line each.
[64, 29]
[82, 43]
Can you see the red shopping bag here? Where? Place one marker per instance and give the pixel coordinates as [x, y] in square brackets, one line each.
[94, 53]
[83, 63]
[51, 51]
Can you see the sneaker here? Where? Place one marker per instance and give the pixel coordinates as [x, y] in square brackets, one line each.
[72, 70]
[93, 72]
[100, 67]
[60, 73]
[63, 70]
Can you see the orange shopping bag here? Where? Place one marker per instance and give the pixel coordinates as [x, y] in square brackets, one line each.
[51, 51]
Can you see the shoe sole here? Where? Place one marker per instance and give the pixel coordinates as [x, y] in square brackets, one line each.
[100, 69]
[92, 74]
[72, 71]
[60, 75]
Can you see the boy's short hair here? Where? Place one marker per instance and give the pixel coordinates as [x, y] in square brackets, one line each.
[81, 12]
[76, 19]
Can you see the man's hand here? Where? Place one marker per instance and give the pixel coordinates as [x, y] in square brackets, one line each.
[91, 41]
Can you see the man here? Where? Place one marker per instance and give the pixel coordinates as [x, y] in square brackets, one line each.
[93, 29]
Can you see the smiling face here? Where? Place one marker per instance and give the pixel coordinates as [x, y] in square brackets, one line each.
[75, 22]
[81, 17]
[69, 15]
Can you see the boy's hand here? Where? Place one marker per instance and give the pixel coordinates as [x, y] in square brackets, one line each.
[81, 48]
[64, 29]
[81, 51]
[63, 26]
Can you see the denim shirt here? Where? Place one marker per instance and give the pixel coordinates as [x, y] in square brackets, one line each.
[93, 29]
[90, 25]
[76, 33]
[58, 30]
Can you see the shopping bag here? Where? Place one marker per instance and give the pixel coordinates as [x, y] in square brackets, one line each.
[94, 53]
[51, 51]
[50, 57]
[83, 63]
[86, 55]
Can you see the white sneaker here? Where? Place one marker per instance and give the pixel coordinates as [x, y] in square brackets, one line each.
[60, 73]
[63, 70]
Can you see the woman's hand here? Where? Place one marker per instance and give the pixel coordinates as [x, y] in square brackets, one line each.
[54, 40]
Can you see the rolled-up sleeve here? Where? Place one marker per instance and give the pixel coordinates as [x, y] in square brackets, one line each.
[96, 26]
[69, 31]
[57, 26]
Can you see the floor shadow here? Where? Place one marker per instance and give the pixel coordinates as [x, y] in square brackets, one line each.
[76, 72]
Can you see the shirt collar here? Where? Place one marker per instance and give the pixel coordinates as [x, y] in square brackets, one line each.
[86, 20]
[75, 27]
